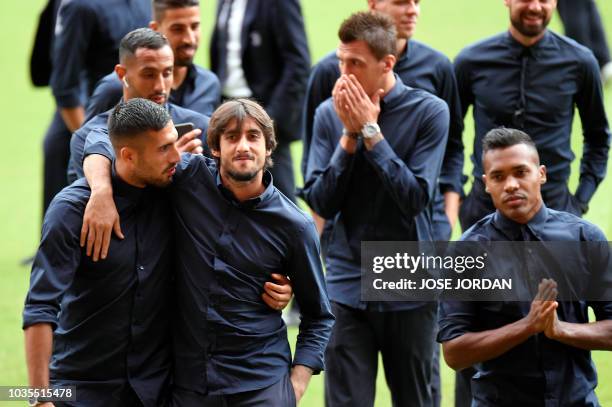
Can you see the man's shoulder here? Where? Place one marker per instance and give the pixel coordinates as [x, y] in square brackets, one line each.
[181, 115]
[583, 228]
[73, 197]
[426, 100]
[434, 56]
[479, 48]
[293, 216]
[98, 122]
[329, 63]
[205, 76]
[579, 51]
[479, 231]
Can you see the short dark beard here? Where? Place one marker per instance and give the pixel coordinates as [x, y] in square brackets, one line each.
[518, 25]
[242, 177]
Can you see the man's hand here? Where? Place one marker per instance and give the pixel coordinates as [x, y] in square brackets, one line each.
[73, 117]
[300, 376]
[100, 220]
[342, 108]
[554, 327]
[362, 108]
[190, 143]
[543, 306]
[277, 295]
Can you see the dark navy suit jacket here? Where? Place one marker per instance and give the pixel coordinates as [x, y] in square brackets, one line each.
[275, 60]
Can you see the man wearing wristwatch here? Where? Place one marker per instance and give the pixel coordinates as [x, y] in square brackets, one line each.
[373, 166]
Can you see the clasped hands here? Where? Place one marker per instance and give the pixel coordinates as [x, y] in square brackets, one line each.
[542, 315]
[353, 105]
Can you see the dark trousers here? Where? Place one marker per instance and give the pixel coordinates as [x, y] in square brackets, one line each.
[582, 23]
[56, 150]
[405, 340]
[476, 206]
[116, 396]
[280, 394]
[282, 171]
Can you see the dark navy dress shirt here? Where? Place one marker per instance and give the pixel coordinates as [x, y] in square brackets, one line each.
[419, 66]
[539, 371]
[227, 340]
[92, 137]
[535, 89]
[382, 194]
[200, 92]
[110, 318]
[86, 43]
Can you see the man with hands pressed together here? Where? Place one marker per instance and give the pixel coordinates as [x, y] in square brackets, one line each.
[373, 167]
[529, 354]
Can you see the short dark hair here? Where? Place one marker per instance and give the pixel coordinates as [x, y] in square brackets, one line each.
[240, 109]
[131, 119]
[503, 137]
[159, 6]
[140, 38]
[375, 29]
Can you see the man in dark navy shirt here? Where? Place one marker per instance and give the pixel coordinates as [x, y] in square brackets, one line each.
[374, 177]
[531, 79]
[104, 326]
[87, 35]
[235, 230]
[146, 71]
[528, 354]
[418, 66]
[193, 87]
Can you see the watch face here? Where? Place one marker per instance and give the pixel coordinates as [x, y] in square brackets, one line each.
[370, 130]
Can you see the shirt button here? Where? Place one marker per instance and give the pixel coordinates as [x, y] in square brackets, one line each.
[140, 268]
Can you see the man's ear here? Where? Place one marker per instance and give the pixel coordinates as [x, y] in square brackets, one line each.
[484, 181]
[268, 153]
[371, 5]
[127, 154]
[154, 25]
[215, 153]
[389, 61]
[542, 171]
[120, 71]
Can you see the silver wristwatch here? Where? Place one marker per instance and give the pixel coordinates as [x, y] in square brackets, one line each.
[369, 130]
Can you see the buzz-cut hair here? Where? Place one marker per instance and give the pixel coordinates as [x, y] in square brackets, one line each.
[160, 6]
[503, 137]
[140, 38]
[375, 29]
[131, 119]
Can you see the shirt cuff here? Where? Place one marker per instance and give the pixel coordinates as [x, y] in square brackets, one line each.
[309, 359]
[381, 152]
[39, 316]
[98, 148]
[68, 99]
[586, 189]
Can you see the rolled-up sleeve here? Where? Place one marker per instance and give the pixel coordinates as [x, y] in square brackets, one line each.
[308, 281]
[55, 264]
[73, 31]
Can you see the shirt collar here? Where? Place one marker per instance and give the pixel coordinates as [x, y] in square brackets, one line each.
[545, 43]
[394, 95]
[513, 230]
[190, 78]
[252, 203]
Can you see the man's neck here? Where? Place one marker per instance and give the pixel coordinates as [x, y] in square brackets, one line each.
[126, 176]
[524, 39]
[244, 190]
[180, 73]
[401, 45]
[388, 84]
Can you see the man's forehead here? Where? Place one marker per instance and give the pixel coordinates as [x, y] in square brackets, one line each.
[358, 49]
[179, 14]
[510, 157]
[247, 123]
[163, 54]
